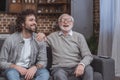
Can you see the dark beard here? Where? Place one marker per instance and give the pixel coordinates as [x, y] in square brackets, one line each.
[30, 31]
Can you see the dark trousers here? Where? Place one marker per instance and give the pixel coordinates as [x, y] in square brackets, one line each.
[62, 73]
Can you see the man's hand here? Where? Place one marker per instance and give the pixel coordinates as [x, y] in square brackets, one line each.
[41, 37]
[39, 66]
[21, 70]
[30, 73]
[79, 70]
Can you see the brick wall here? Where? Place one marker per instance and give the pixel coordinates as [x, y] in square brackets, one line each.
[5, 21]
[96, 17]
[46, 23]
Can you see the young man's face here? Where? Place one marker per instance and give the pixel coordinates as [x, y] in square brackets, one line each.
[66, 23]
[30, 23]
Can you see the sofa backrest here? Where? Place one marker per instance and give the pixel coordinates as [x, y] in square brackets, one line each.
[1, 43]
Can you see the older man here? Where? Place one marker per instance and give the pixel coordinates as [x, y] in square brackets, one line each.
[70, 53]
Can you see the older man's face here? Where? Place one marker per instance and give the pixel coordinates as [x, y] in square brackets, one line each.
[66, 23]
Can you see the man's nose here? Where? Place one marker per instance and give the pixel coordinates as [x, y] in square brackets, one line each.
[35, 22]
[65, 21]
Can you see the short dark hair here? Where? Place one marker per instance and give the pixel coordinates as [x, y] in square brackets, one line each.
[21, 18]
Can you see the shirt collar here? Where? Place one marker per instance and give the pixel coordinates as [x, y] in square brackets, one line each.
[70, 33]
[22, 40]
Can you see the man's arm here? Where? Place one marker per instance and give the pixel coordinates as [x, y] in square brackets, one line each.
[85, 52]
[41, 37]
[4, 54]
[42, 56]
[86, 56]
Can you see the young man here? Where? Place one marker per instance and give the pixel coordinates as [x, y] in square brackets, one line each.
[21, 55]
[70, 53]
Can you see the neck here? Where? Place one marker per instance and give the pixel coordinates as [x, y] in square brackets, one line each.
[65, 33]
[26, 34]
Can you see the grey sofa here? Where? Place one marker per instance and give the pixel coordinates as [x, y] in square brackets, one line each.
[103, 66]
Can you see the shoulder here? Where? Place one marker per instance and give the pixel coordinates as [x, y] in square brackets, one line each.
[53, 34]
[15, 34]
[13, 37]
[77, 34]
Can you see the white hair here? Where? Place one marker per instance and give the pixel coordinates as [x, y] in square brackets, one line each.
[59, 19]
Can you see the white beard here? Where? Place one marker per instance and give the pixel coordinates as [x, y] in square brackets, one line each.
[66, 29]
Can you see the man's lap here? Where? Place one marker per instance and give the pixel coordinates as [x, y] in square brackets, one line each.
[40, 72]
[88, 73]
[68, 72]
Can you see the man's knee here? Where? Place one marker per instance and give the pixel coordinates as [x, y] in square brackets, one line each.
[42, 73]
[88, 69]
[88, 74]
[59, 74]
[11, 72]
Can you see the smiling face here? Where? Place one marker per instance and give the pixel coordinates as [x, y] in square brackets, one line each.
[30, 23]
[65, 23]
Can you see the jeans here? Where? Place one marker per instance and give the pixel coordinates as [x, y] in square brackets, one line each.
[13, 74]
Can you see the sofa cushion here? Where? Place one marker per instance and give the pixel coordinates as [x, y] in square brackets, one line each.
[97, 76]
[2, 78]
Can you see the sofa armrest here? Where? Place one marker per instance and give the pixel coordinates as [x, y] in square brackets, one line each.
[105, 66]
